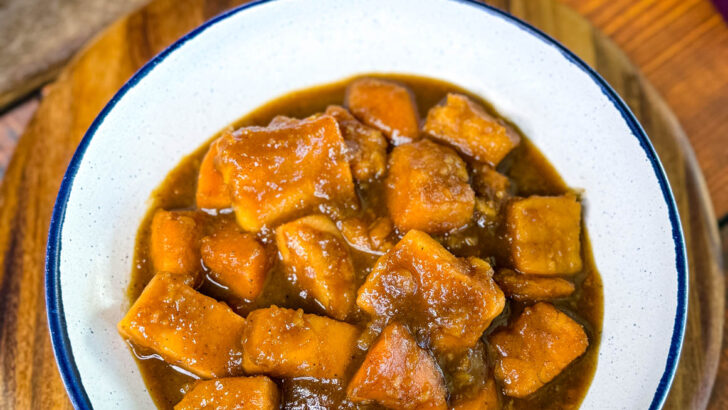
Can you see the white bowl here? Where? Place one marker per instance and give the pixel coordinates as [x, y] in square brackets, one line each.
[250, 55]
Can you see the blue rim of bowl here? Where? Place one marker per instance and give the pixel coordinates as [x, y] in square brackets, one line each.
[56, 318]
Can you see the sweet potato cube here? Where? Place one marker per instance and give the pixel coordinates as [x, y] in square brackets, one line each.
[240, 393]
[279, 172]
[175, 244]
[535, 348]
[386, 106]
[289, 343]
[236, 260]
[398, 374]
[366, 146]
[317, 261]
[427, 188]
[532, 288]
[212, 193]
[447, 301]
[465, 125]
[544, 234]
[490, 183]
[186, 328]
[484, 398]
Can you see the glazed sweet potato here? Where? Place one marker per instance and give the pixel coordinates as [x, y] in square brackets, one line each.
[175, 244]
[185, 328]
[316, 260]
[483, 398]
[289, 343]
[398, 374]
[372, 237]
[212, 192]
[532, 288]
[240, 393]
[366, 146]
[237, 261]
[386, 106]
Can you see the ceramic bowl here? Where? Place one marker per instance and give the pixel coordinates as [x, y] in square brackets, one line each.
[260, 51]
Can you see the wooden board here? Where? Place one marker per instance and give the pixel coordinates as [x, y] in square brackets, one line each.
[28, 376]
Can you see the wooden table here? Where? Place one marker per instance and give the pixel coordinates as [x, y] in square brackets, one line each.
[680, 45]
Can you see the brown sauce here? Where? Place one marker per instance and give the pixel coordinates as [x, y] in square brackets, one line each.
[527, 168]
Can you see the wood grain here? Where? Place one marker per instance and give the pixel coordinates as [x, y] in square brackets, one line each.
[28, 377]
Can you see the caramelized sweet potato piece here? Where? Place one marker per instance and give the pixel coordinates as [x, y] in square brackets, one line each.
[386, 106]
[236, 260]
[484, 398]
[283, 121]
[536, 348]
[398, 374]
[490, 183]
[317, 261]
[448, 301]
[367, 146]
[175, 244]
[465, 125]
[186, 328]
[544, 234]
[427, 188]
[371, 237]
[278, 172]
[239, 393]
[212, 193]
[532, 288]
[289, 343]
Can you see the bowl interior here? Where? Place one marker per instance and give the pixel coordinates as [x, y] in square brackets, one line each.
[247, 57]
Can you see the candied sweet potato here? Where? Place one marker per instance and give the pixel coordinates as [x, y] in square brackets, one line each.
[368, 237]
[398, 374]
[427, 188]
[317, 261]
[239, 393]
[545, 234]
[212, 193]
[536, 348]
[175, 244]
[448, 301]
[289, 343]
[532, 288]
[237, 261]
[386, 106]
[186, 328]
[367, 146]
[465, 125]
[278, 172]
[490, 183]
[484, 398]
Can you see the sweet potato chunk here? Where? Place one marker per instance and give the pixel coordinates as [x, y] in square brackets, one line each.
[367, 146]
[371, 237]
[386, 106]
[536, 348]
[317, 261]
[448, 301]
[278, 172]
[427, 188]
[186, 328]
[532, 288]
[212, 193]
[490, 183]
[544, 234]
[175, 244]
[289, 343]
[236, 260]
[398, 374]
[240, 393]
[484, 398]
[465, 125]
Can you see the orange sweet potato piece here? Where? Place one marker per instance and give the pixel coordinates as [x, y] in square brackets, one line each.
[465, 125]
[484, 398]
[490, 183]
[386, 106]
[371, 237]
[175, 244]
[317, 261]
[427, 188]
[185, 328]
[532, 288]
[212, 193]
[276, 173]
[236, 260]
[367, 146]
[544, 234]
[536, 348]
[447, 301]
[398, 374]
[289, 343]
[240, 393]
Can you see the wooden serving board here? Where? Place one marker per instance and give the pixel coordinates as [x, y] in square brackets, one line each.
[28, 374]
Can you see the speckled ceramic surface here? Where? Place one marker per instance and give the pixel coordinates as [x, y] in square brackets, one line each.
[251, 55]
